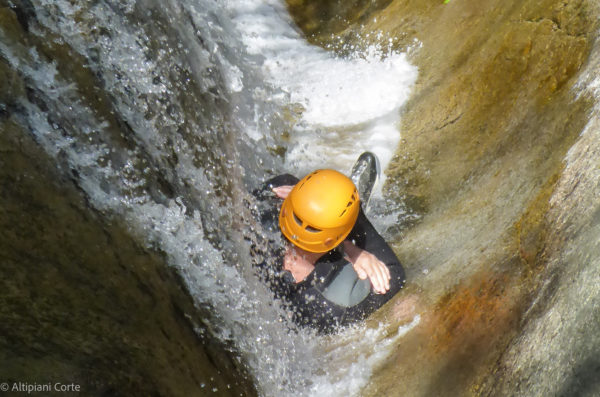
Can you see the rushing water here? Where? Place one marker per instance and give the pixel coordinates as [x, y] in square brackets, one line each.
[191, 105]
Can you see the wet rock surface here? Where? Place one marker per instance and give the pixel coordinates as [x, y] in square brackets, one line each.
[488, 142]
[81, 301]
[502, 264]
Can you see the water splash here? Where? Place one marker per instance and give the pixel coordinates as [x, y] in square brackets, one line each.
[355, 354]
[195, 94]
[348, 105]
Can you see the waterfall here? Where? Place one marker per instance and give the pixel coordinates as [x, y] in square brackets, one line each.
[166, 114]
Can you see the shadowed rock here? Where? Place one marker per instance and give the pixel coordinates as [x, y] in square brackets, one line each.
[81, 301]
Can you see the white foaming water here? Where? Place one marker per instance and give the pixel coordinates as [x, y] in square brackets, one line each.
[352, 360]
[350, 104]
[84, 144]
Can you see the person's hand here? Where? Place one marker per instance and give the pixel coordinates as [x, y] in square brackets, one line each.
[367, 265]
[282, 191]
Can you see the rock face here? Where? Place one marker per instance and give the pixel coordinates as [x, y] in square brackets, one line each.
[81, 302]
[493, 159]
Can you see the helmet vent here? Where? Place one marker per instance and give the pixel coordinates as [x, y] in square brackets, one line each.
[312, 229]
[343, 212]
[298, 220]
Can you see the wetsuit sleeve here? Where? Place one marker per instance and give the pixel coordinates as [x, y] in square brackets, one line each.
[268, 203]
[264, 192]
[280, 180]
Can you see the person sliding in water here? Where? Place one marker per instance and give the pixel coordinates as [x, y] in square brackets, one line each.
[337, 269]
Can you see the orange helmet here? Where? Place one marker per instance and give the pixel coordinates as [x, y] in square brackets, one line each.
[320, 211]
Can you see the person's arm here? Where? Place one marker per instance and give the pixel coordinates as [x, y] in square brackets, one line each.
[366, 264]
[282, 180]
[375, 255]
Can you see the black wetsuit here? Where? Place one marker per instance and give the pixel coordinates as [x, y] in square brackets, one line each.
[332, 294]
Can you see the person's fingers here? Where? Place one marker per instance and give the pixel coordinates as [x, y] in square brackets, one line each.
[387, 276]
[383, 278]
[374, 277]
[377, 278]
[282, 191]
[382, 272]
[387, 273]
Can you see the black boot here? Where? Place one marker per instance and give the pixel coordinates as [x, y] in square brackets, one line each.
[365, 173]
